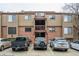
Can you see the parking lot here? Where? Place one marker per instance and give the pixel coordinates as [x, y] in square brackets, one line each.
[31, 52]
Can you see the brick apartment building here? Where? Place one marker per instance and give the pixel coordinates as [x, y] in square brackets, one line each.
[34, 24]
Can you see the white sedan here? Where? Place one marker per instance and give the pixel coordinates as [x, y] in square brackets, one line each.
[75, 45]
[60, 44]
[4, 43]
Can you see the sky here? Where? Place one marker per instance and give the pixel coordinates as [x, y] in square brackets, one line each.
[13, 7]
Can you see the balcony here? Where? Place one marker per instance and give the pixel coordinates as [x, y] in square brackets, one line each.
[39, 27]
[39, 18]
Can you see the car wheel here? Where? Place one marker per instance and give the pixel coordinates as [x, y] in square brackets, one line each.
[26, 49]
[45, 48]
[53, 49]
[50, 45]
[34, 48]
[28, 44]
[2, 48]
[13, 49]
[66, 49]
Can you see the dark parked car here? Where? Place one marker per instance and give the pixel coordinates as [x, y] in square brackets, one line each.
[40, 43]
[20, 43]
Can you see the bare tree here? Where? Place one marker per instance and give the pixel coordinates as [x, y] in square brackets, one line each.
[73, 8]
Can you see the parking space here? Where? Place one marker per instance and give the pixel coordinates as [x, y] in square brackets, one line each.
[31, 52]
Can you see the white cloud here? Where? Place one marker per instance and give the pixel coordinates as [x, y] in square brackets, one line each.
[31, 7]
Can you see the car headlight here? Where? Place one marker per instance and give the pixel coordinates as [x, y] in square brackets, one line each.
[55, 45]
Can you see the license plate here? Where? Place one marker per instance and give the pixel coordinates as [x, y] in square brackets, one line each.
[62, 46]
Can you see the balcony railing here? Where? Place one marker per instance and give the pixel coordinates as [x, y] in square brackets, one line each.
[40, 17]
[39, 27]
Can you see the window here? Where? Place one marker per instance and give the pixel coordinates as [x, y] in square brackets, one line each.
[39, 14]
[11, 30]
[11, 18]
[68, 30]
[28, 17]
[52, 29]
[52, 17]
[67, 18]
[27, 29]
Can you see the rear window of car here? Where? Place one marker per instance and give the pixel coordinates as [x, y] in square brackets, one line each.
[61, 40]
[20, 39]
[4, 40]
[39, 39]
[76, 42]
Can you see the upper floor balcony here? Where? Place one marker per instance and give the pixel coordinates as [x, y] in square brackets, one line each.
[40, 16]
[39, 27]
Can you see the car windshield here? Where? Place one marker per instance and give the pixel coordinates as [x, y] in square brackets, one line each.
[61, 40]
[39, 39]
[20, 39]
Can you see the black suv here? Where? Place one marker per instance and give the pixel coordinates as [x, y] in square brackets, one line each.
[20, 43]
[40, 43]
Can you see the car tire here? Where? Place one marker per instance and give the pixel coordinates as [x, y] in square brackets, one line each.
[50, 45]
[13, 49]
[34, 48]
[65, 49]
[45, 48]
[42, 44]
[28, 44]
[2, 48]
[26, 49]
[53, 49]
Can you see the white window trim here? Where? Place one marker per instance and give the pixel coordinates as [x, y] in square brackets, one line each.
[51, 16]
[27, 17]
[52, 29]
[10, 18]
[67, 18]
[66, 30]
[39, 14]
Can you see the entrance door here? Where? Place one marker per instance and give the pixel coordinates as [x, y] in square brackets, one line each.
[39, 34]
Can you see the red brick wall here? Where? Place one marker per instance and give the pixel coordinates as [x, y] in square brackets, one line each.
[4, 32]
[57, 33]
[29, 34]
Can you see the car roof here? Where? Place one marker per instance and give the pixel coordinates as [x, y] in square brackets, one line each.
[39, 37]
[22, 36]
[2, 38]
[76, 40]
[59, 38]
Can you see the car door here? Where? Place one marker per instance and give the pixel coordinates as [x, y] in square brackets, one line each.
[8, 43]
[75, 45]
[5, 43]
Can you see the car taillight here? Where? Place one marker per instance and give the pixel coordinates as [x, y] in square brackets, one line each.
[25, 44]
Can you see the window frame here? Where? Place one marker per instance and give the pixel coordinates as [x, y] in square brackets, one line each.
[27, 17]
[67, 30]
[40, 14]
[11, 18]
[28, 29]
[11, 28]
[67, 18]
[53, 29]
[52, 17]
